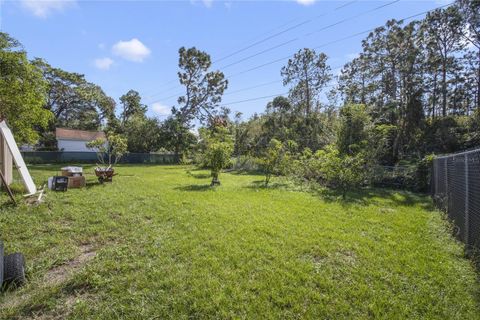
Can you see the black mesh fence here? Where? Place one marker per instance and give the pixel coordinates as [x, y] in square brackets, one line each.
[456, 190]
[40, 157]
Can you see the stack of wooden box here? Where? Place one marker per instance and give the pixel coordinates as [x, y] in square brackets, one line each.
[75, 177]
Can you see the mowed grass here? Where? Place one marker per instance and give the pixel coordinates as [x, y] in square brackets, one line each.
[168, 246]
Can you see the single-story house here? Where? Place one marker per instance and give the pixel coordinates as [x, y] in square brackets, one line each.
[76, 140]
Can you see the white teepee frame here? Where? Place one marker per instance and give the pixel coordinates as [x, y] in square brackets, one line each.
[11, 146]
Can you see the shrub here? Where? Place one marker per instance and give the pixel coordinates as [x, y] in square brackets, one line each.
[342, 172]
[271, 160]
[219, 149]
[423, 173]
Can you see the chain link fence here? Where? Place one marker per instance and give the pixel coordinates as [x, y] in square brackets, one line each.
[455, 189]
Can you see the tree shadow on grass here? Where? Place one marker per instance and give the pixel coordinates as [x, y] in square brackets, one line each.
[260, 184]
[245, 172]
[194, 187]
[199, 175]
[372, 196]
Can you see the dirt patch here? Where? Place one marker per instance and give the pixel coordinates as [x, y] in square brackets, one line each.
[346, 257]
[53, 277]
[61, 273]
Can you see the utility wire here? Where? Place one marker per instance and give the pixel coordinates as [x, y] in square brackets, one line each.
[322, 45]
[293, 40]
[269, 96]
[281, 32]
[254, 99]
[262, 41]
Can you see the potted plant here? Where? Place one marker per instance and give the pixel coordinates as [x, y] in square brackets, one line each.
[109, 152]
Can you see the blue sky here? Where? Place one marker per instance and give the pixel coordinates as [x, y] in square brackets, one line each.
[122, 45]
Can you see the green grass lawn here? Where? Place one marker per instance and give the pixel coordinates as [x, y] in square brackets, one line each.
[159, 243]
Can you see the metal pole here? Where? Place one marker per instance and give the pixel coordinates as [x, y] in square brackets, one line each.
[467, 224]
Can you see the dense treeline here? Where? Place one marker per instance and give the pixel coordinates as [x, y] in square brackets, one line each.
[420, 82]
[414, 90]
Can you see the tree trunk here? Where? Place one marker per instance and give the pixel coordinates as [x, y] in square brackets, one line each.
[307, 88]
[444, 89]
[215, 180]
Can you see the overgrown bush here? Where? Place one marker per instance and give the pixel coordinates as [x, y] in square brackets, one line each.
[423, 173]
[331, 169]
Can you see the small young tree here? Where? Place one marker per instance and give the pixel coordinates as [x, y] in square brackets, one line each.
[113, 149]
[219, 149]
[272, 159]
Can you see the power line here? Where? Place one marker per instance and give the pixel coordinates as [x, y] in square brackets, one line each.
[259, 53]
[316, 31]
[352, 17]
[283, 31]
[269, 96]
[262, 41]
[253, 87]
[322, 45]
[254, 99]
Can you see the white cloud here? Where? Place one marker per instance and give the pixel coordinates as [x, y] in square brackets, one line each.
[133, 50]
[305, 2]
[43, 8]
[161, 109]
[206, 3]
[103, 63]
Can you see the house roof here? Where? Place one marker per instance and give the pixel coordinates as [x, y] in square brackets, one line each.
[81, 135]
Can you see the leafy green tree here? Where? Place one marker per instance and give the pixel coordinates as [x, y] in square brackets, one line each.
[203, 88]
[272, 160]
[441, 32]
[131, 106]
[341, 171]
[219, 149]
[22, 92]
[470, 11]
[278, 119]
[75, 102]
[354, 129]
[308, 73]
[250, 136]
[175, 136]
[143, 134]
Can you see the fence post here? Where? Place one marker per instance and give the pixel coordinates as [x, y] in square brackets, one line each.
[467, 224]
